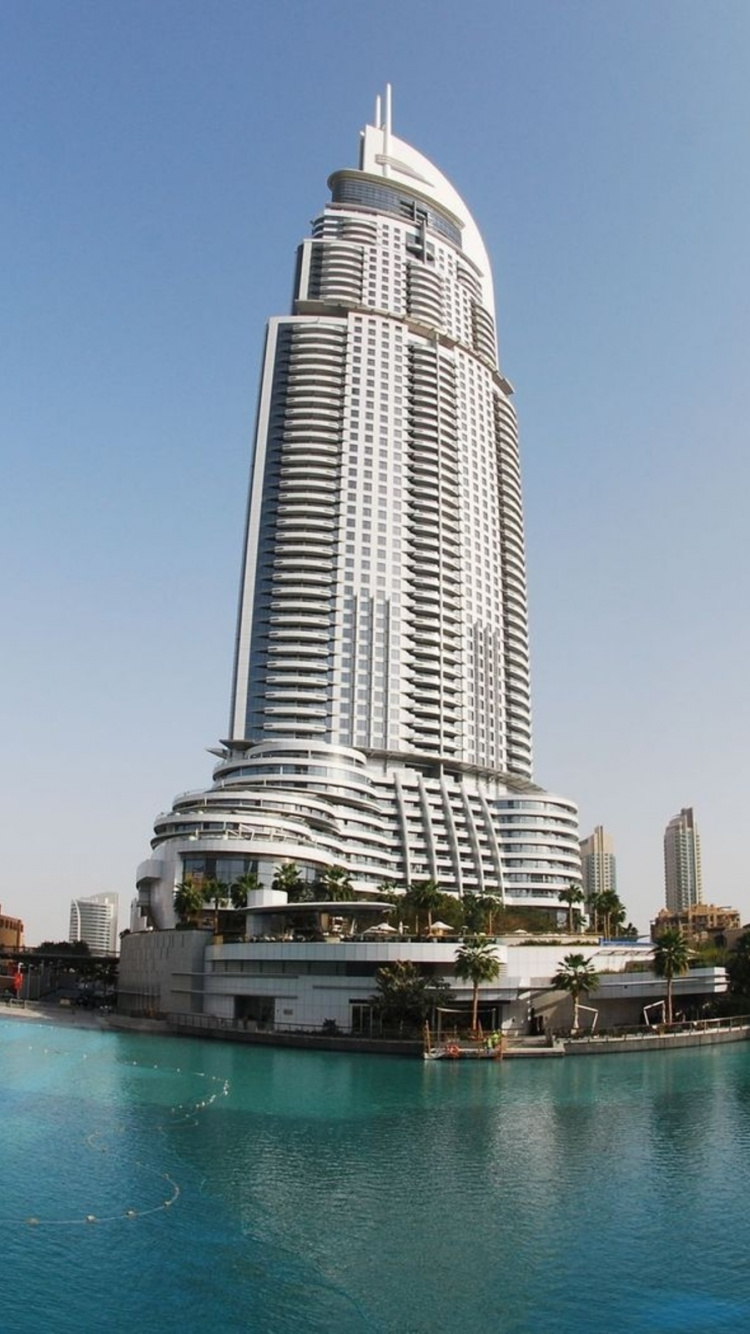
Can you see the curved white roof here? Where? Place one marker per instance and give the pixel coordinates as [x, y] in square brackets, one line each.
[384, 155]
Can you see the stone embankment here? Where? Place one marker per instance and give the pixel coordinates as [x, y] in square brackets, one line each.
[706, 1033]
[703, 1033]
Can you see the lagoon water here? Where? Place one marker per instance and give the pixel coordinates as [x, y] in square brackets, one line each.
[229, 1188]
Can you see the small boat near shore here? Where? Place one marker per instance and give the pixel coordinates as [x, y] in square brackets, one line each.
[489, 1047]
[453, 1051]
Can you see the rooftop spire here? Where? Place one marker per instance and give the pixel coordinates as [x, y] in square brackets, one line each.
[380, 122]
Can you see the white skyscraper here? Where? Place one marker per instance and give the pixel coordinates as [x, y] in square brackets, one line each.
[683, 876]
[94, 921]
[381, 714]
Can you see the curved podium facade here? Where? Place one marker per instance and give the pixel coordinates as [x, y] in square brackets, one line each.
[381, 713]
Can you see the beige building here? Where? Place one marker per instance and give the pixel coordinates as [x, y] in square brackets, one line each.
[683, 877]
[598, 863]
[697, 923]
[11, 932]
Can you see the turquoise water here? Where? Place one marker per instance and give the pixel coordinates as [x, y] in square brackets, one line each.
[238, 1189]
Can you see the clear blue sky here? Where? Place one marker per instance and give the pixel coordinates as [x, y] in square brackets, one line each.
[161, 159]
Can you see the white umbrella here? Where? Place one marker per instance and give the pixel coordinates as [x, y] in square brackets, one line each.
[383, 926]
[441, 926]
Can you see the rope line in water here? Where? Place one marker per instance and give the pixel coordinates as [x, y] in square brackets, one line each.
[96, 1142]
[106, 1218]
[180, 1116]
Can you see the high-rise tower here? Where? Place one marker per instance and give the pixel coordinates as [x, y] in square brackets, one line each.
[598, 863]
[381, 712]
[683, 876]
[94, 921]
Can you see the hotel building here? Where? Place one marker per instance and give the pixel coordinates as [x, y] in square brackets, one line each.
[381, 711]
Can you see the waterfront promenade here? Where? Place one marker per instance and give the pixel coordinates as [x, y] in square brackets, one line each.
[632, 1041]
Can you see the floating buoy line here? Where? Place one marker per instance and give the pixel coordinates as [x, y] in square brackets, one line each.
[181, 1115]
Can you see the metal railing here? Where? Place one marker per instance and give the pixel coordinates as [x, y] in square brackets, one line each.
[619, 1031]
[218, 1024]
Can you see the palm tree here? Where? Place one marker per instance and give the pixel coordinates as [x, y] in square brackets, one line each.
[476, 962]
[738, 966]
[671, 959]
[617, 921]
[474, 913]
[571, 896]
[491, 904]
[215, 892]
[334, 884]
[288, 880]
[609, 906]
[406, 996]
[574, 975]
[388, 890]
[425, 896]
[594, 906]
[188, 902]
[241, 888]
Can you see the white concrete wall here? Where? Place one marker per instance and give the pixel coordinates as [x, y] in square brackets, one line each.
[307, 982]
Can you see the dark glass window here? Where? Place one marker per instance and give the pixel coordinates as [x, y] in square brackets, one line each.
[347, 190]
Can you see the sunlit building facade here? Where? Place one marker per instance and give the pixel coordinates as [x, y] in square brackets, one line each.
[700, 922]
[381, 712]
[598, 864]
[683, 874]
[93, 920]
[11, 932]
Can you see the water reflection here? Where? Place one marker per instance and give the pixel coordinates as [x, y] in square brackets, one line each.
[354, 1194]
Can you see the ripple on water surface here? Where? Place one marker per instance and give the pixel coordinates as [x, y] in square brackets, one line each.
[233, 1188]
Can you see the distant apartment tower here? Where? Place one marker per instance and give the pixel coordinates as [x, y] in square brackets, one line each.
[683, 878]
[94, 921]
[598, 863]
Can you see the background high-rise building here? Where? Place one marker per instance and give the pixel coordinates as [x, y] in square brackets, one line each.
[598, 863]
[381, 713]
[94, 921]
[683, 877]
